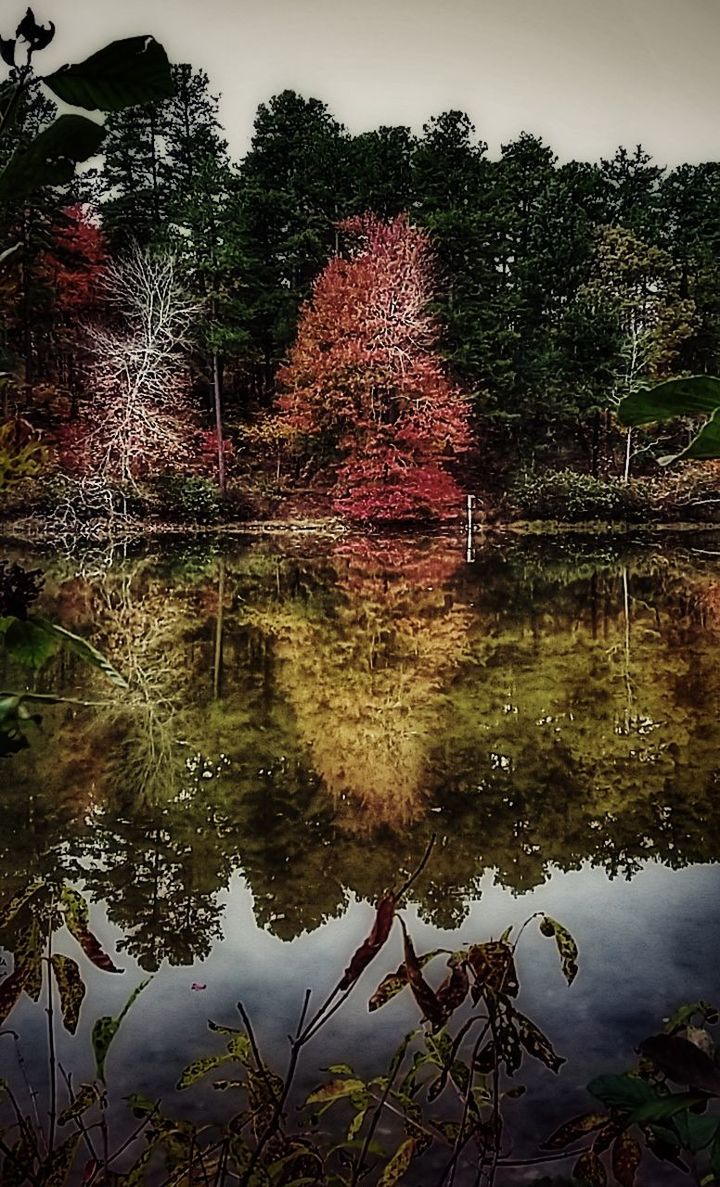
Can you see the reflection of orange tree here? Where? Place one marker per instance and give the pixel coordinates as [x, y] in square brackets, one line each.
[367, 682]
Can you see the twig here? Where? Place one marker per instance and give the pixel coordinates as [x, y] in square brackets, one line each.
[32, 1092]
[51, 1046]
[256, 1050]
[359, 1165]
[418, 870]
[80, 1124]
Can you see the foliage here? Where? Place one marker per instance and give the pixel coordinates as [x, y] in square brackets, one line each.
[135, 70]
[572, 497]
[689, 397]
[364, 387]
[645, 1115]
[447, 1081]
[19, 458]
[31, 640]
[189, 500]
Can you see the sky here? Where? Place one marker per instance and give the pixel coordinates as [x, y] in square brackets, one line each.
[586, 75]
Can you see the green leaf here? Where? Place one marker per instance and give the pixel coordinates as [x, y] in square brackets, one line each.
[28, 960]
[705, 444]
[691, 396]
[141, 1105]
[71, 988]
[17, 902]
[10, 989]
[391, 985]
[571, 1131]
[84, 649]
[84, 1100]
[51, 157]
[356, 1124]
[334, 1090]
[398, 1164]
[76, 919]
[684, 1016]
[665, 1106]
[199, 1068]
[623, 1092]
[29, 643]
[566, 946]
[106, 1028]
[697, 1131]
[536, 1043]
[124, 73]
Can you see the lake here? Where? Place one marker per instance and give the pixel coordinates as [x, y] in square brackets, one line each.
[302, 717]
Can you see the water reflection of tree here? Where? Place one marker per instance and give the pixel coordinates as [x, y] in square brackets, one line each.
[366, 682]
[366, 700]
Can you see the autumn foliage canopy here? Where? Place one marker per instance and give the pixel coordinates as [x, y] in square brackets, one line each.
[79, 263]
[365, 389]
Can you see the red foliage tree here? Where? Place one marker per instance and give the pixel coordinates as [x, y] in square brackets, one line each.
[78, 262]
[365, 388]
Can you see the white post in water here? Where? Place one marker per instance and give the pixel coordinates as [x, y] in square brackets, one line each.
[469, 550]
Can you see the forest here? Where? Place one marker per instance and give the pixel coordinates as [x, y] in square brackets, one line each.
[370, 326]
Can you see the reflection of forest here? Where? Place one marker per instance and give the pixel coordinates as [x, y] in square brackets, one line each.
[312, 719]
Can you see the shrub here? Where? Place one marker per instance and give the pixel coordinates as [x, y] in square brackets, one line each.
[188, 499]
[574, 497]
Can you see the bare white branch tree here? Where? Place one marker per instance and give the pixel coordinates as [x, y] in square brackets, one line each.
[140, 419]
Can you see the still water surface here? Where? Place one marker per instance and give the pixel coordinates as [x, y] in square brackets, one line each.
[302, 717]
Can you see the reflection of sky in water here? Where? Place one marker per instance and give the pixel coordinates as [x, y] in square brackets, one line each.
[646, 946]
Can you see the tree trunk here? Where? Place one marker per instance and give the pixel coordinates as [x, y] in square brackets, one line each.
[217, 395]
[595, 456]
[628, 456]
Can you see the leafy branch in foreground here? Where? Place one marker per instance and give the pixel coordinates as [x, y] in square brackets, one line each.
[445, 1087]
[645, 1115]
[692, 396]
[124, 73]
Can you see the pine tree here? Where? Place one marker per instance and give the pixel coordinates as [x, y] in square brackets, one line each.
[292, 191]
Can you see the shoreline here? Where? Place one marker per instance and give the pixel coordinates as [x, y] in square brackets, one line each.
[19, 532]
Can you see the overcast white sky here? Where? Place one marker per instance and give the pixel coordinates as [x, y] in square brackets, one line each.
[585, 74]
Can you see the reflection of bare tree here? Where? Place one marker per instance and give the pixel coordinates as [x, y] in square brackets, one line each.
[143, 631]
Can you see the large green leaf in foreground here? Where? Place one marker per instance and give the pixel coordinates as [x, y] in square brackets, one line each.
[675, 397]
[122, 74]
[50, 159]
[692, 396]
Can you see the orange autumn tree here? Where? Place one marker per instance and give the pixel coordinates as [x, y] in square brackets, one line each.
[365, 389]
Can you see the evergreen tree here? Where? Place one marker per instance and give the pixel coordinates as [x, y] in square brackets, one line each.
[381, 171]
[134, 203]
[457, 200]
[293, 190]
[151, 154]
[31, 227]
[634, 192]
[690, 214]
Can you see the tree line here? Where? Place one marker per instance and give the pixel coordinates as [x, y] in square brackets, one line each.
[557, 287]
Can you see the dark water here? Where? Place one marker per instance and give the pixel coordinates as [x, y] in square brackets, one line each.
[301, 719]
